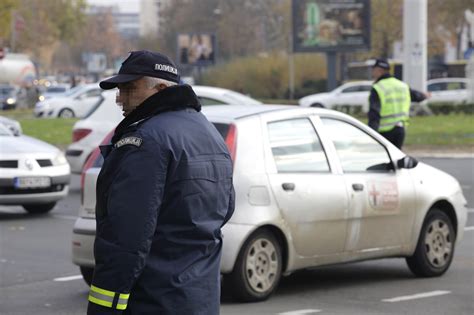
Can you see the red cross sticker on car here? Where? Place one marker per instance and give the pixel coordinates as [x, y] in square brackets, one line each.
[373, 194]
[383, 194]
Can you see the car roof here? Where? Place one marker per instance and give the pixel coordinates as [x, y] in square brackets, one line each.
[361, 82]
[235, 112]
[438, 80]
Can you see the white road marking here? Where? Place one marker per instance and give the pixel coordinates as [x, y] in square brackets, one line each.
[469, 228]
[416, 296]
[66, 217]
[300, 312]
[70, 278]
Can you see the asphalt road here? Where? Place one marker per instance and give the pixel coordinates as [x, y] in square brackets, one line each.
[37, 276]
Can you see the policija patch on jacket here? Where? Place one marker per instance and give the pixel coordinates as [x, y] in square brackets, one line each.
[129, 141]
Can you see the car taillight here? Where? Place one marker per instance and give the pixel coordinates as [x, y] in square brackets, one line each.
[91, 161]
[231, 141]
[80, 133]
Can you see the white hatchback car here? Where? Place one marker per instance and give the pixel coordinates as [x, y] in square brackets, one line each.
[33, 173]
[314, 187]
[88, 132]
[448, 90]
[76, 102]
[347, 97]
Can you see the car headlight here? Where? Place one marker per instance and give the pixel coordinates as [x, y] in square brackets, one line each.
[11, 100]
[60, 159]
[41, 98]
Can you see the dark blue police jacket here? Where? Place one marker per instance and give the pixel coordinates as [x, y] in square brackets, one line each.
[163, 194]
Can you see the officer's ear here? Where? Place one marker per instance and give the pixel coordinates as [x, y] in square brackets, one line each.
[160, 87]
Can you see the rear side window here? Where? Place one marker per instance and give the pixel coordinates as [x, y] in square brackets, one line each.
[206, 101]
[222, 128]
[296, 146]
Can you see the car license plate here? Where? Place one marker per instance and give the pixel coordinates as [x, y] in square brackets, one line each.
[31, 182]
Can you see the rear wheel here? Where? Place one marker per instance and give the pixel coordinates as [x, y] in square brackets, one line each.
[66, 113]
[87, 274]
[257, 270]
[318, 105]
[435, 249]
[39, 208]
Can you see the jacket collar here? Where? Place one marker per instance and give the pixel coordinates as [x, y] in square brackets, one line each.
[172, 98]
[383, 76]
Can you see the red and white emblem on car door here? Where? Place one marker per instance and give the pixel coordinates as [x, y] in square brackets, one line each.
[383, 194]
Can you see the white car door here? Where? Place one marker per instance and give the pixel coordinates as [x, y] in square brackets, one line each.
[356, 95]
[312, 200]
[382, 199]
[84, 102]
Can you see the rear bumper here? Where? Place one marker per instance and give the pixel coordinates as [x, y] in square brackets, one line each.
[83, 236]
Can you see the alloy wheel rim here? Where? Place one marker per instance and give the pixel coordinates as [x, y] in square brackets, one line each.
[438, 244]
[66, 114]
[261, 266]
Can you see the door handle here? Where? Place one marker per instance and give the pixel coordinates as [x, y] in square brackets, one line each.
[288, 186]
[358, 187]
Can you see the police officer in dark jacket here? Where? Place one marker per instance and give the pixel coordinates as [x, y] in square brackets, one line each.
[163, 194]
[389, 103]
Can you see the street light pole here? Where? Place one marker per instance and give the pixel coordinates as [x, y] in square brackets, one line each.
[415, 18]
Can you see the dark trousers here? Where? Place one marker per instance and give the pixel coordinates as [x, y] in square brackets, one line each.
[395, 136]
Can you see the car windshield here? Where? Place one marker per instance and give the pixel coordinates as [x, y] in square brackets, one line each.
[73, 90]
[6, 90]
[4, 131]
[56, 89]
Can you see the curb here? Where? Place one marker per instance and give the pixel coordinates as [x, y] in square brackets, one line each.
[444, 155]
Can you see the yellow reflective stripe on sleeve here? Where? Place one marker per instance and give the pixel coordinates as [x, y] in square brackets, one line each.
[102, 291]
[99, 301]
[106, 298]
[121, 306]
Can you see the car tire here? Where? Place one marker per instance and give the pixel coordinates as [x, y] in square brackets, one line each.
[435, 248]
[87, 274]
[66, 113]
[318, 105]
[39, 208]
[257, 270]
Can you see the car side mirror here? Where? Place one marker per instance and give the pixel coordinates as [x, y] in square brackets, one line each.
[407, 162]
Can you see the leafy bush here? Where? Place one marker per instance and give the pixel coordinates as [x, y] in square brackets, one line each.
[449, 108]
[267, 76]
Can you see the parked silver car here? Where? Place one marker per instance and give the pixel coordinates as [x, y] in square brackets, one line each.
[33, 173]
[314, 187]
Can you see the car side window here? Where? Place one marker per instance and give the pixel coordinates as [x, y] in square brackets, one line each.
[365, 88]
[351, 89]
[455, 86]
[205, 101]
[434, 87]
[357, 150]
[296, 147]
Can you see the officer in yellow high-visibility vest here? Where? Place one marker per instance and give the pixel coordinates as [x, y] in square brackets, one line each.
[389, 102]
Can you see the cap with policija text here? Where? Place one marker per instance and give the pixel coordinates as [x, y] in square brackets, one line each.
[142, 63]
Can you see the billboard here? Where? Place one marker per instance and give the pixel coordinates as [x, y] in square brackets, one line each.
[331, 25]
[196, 49]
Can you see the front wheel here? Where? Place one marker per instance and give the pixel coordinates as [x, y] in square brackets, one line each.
[257, 270]
[66, 113]
[435, 249]
[317, 105]
[39, 208]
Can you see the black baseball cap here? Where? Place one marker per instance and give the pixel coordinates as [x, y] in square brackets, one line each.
[381, 63]
[143, 63]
